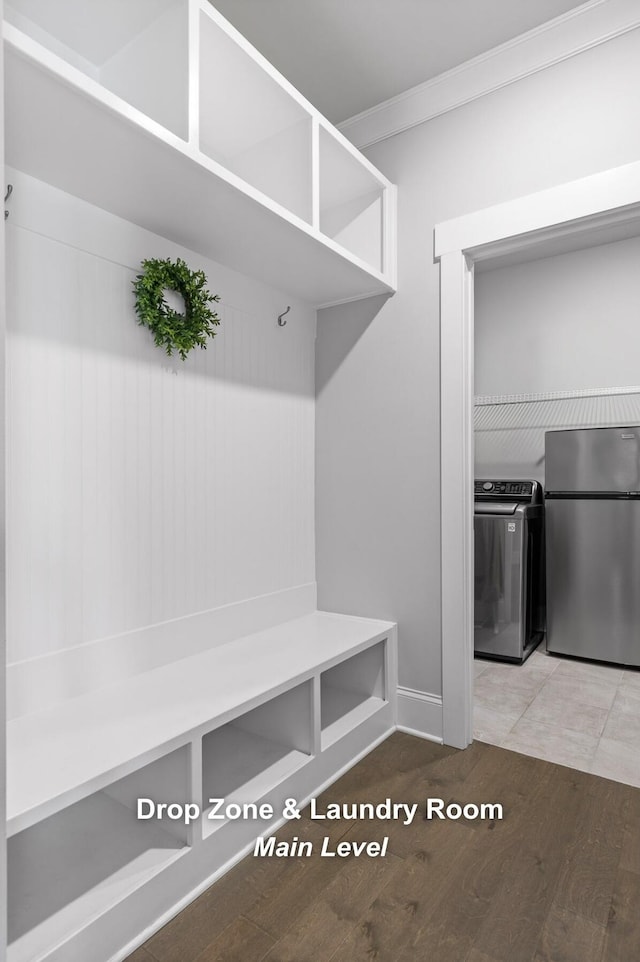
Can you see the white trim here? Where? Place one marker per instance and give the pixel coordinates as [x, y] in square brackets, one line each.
[456, 467]
[420, 714]
[587, 204]
[352, 300]
[559, 39]
[495, 399]
[437, 739]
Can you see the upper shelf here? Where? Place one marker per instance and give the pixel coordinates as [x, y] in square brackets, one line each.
[163, 114]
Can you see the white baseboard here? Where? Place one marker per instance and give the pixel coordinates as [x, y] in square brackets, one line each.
[420, 714]
[39, 683]
[425, 736]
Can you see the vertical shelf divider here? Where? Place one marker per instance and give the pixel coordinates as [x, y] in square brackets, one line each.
[316, 729]
[195, 785]
[389, 233]
[315, 172]
[194, 74]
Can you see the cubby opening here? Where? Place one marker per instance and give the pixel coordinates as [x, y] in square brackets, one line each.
[138, 51]
[351, 202]
[352, 691]
[76, 864]
[246, 759]
[250, 124]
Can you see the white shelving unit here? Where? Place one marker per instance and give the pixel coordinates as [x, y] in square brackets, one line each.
[247, 759]
[137, 51]
[352, 202]
[352, 691]
[158, 111]
[83, 861]
[164, 114]
[271, 715]
[271, 148]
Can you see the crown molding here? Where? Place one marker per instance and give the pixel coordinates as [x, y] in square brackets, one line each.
[582, 28]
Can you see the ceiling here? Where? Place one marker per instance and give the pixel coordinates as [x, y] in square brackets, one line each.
[348, 55]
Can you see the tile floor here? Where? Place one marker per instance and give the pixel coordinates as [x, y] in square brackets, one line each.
[580, 714]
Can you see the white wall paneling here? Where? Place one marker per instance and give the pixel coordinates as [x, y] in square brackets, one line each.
[143, 489]
[509, 434]
[48, 680]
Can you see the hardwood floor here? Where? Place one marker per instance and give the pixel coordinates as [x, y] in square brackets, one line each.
[556, 880]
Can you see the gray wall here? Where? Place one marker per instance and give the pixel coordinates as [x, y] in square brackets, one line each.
[378, 436]
[3, 645]
[564, 323]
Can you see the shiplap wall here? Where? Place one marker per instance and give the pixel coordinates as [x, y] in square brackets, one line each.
[510, 432]
[142, 489]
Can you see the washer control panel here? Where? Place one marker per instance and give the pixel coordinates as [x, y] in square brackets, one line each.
[522, 491]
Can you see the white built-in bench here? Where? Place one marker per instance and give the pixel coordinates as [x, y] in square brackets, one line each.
[275, 714]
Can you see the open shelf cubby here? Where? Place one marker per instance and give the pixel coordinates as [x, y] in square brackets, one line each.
[351, 202]
[158, 109]
[78, 863]
[246, 759]
[252, 126]
[138, 51]
[351, 692]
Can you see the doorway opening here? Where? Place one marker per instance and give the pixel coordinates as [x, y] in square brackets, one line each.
[592, 211]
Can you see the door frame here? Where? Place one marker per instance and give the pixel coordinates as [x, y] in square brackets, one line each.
[593, 210]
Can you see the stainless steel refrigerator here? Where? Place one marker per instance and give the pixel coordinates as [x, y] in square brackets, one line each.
[592, 511]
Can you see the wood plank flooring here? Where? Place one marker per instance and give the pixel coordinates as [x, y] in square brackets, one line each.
[557, 880]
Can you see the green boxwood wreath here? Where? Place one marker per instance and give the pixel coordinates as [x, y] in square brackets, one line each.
[172, 330]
